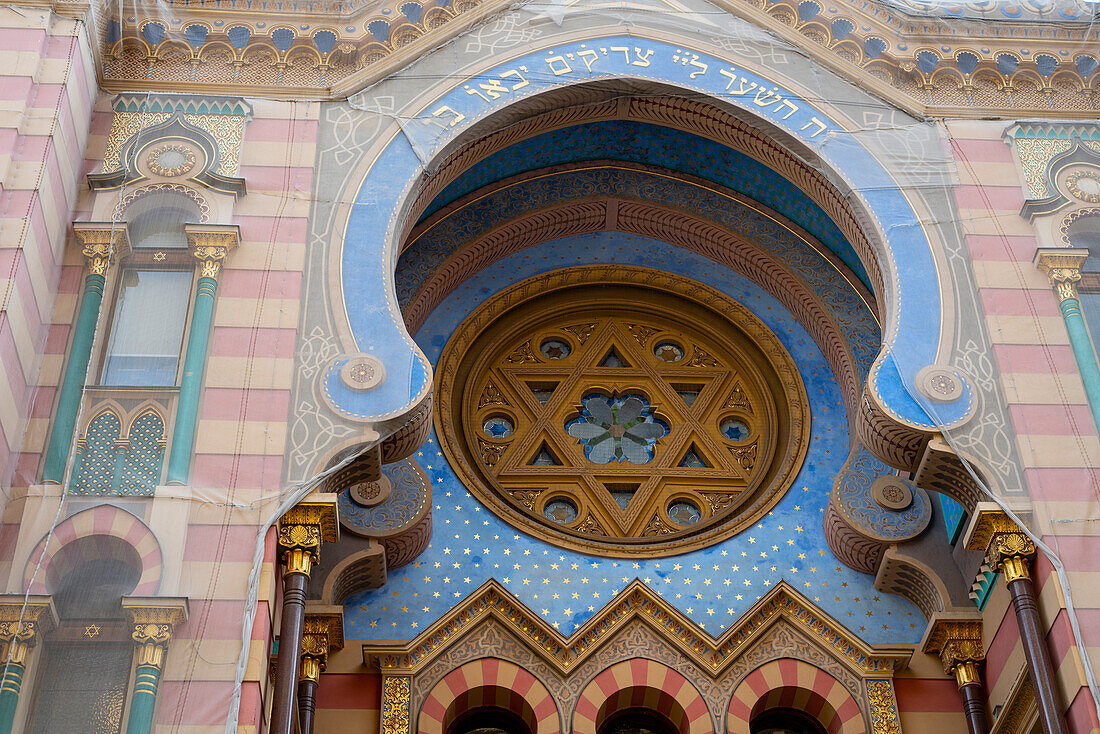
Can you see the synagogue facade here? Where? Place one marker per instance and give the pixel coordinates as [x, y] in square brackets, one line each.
[596, 366]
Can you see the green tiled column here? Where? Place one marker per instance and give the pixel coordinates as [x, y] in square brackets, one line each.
[1063, 267]
[154, 620]
[101, 241]
[21, 626]
[210, 244]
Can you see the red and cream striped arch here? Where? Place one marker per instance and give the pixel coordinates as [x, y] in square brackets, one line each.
[788, 683]
[640, 683]
[489, 682]
[103, 533]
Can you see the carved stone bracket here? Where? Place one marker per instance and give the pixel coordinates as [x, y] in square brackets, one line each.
[210, 245]
[101, 243]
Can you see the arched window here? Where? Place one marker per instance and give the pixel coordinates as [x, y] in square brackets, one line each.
[637, 721]
[154, 290]
[85, 670]
[785, 721]
[488, 720]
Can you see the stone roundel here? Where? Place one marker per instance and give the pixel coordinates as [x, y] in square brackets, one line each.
[171, 160]
[940, 384]
[362, 372]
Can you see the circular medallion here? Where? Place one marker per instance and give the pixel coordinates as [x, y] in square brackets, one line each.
[1085, 185]
[369, 494]
[560, 511]
[171, 160]
[498, 426]
[734, 429]
[669, 418]
[939, 384]
[362, 373]
[891, 493]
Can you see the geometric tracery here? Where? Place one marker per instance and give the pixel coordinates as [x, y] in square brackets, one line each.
[622, 416]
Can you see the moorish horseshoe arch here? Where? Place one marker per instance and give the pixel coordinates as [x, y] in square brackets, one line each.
[371, 248]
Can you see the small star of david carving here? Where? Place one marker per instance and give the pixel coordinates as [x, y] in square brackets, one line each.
[159, 257]
[91, 630]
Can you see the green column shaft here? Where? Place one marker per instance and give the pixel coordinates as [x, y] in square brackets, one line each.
[194, 362]
[72, 383]
[1083, 353]
[9, 695]
[144, 701]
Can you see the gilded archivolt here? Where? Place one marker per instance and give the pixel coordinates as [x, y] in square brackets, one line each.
[492, 623]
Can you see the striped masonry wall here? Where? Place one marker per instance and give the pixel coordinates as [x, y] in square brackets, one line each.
[47, 88]
[1056, 440]
[243, 418]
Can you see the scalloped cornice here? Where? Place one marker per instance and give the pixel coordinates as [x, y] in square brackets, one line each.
[954, 67]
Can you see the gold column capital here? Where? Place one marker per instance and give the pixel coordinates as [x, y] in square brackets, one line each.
[303, 529]
[1007, 548]
[210, 245]
[1062, 266]
[323, 633]
[23, 620]
[100, 242]
[958, 643]
[154, 619]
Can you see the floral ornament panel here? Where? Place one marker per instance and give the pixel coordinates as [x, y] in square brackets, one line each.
[617, 428]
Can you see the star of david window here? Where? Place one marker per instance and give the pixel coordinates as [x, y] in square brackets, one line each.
[621, 417]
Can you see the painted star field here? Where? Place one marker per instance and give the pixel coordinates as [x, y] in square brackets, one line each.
[714, 586]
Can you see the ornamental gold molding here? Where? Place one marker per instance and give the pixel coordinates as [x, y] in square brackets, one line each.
[1062, 266]
[101, 243]
[395, 704]
[636, 602]
[883, 707]
[210, 245]
[1006, 546]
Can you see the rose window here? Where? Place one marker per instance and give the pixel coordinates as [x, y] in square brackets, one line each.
[621, 413]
